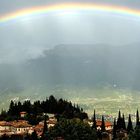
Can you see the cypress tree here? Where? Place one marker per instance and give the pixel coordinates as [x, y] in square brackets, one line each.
[45, 129]
[11, 108]
[103, 124]
[119, 120]
[123, 123]
[137, 118]
[94, 126]
[130, 126]
[114, 130]
[119, 114]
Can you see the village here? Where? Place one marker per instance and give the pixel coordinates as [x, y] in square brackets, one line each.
[60, 119]
[22, 127]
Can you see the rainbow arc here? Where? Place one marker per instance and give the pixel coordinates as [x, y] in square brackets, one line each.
[39, 10]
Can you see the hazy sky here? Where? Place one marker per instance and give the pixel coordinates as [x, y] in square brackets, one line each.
[29, 37]
[86, 48]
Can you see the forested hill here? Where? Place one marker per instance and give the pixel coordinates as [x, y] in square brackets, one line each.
[52, 105]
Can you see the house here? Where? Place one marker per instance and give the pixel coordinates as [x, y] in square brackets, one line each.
[6, 128]
[15, 127]
[89, 121]
[23, 114]
[22, 127]
[108, 125]
[5, 125]
[39, 129]
[51, 122]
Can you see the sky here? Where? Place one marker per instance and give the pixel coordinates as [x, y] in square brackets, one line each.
[28, 37]
[68, 48]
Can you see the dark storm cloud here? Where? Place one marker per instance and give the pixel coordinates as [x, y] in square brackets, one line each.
[31, 35]
[28, 55]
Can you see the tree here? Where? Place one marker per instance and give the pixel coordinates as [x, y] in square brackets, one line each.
[137, 118]
[19, 107]
[119, 120]
[114, 130]
[103, 124]
[135, 135]
[119, 114]
[11, 108]
[32, 119]
[45, 129]
[61, 107]
[73, 129]
[3, 115]
[129, 126]
[27, 106]
[123, 123]
[94, 126]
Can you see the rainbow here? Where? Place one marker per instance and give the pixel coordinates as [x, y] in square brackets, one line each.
[39, 10]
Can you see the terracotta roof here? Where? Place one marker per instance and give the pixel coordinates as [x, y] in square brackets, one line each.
[107, 123]
[21, 121]
[20, 124]
[23, 112]
[39, 126]
[4, 123]
[5, 131]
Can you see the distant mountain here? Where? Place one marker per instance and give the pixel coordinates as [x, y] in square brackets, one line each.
[77, 65]
[94, 76]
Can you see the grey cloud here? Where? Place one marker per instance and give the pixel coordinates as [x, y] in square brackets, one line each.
[22, 40]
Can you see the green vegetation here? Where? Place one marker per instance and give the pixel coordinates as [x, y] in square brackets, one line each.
[74, 129]
[61, 108]
[94, 125]
[135, 135]
[71, 122]
[129, 126]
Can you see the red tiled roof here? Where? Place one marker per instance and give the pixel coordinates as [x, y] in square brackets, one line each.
[20, 124]
[4, 123]
[39, 126]
[107, 123]
[23, 112]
